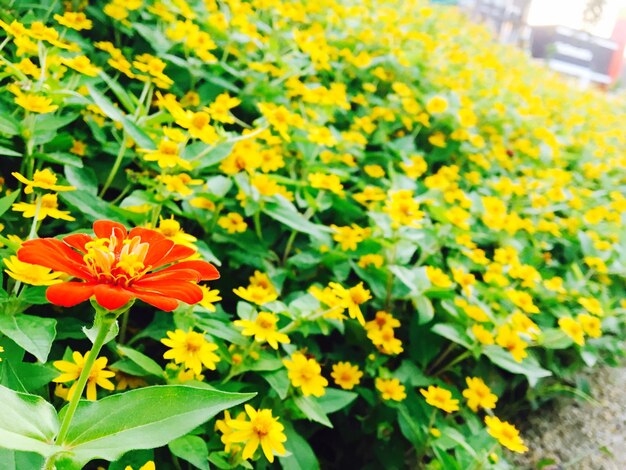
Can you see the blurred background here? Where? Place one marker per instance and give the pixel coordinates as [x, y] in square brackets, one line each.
[583, 39]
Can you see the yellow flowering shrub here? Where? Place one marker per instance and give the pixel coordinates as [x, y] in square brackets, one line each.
[412, 223]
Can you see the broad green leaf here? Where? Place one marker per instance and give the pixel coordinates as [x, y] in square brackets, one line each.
[302, 456]
[335, 400]
[148, 364]
[9, 152]
[6, 201]
[554, 338]
[425, 309]
[119, 92]
[9, 125]
[208, 156]
[16, 460]
[84, 178]
[143, 419]
[27, 422]
[34, 295]
[90, 205]
[286, 213]
[34, 334]
[105, 104]
[139, 136]
[312, 410]
[454, 333]
[279, 381]
[193, 449]
[527, 367]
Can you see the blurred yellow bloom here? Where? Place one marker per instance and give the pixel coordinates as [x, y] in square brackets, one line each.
[440, 398]
[346, 375]
[306, 374]
[505, 433]
[70, 371]
[478, 394]
[233, 223]
[44, 179]
[30, 273]
[45, 206]
[264, 329]
[390, 389]
[190, 349]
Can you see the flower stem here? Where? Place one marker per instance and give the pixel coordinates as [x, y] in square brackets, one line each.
[116, 165]
[104, 327]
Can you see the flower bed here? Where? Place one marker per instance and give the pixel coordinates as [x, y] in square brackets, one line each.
[408, 232]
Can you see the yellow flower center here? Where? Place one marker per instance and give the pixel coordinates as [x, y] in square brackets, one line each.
[262, 426]
[113, 266]
[45, 177]
[199, 120]
[194, 343]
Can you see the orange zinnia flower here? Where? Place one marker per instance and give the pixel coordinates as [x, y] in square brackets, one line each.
[117, 266]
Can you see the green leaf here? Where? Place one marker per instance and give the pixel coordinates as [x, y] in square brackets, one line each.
[105, 104]
[454, 333]
[34, 334]
[193, 449]
[27, 422]
[302, 456]
[6, 201]
[143, 419]
[335, 400]
[119, 92]
[84, 178]
[9, 152]
[425, 308]
[312, 410]
[554, 338]
[16, 460]
[146, 363]
[139, 136]
[279, 381]
[34, 295]
[286, 213]
[527, 367]
[91, 206]
[9, 125]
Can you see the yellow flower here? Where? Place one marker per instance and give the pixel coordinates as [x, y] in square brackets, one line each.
[209, 297]
[44, 179]
[326, 181]
[81, 64]
[437, 277]
[30, 273]
[523, 300]
[440, 398]
[172, 230]
[264, 329]
[573, 329]
[233, 223]
[263, 429]
[306, 374]
[478, 394]
[509, 339]
[437, 105]
[482, 335]
[166, 155]
[382, 320]
[375, 171]
[35, 103]
[371, 260]
[591, 305]
[46, 206]
[74, 20]
[221, 106]
[346, 375]
[1, 350]
[416, 168]
[591, 325]
[78, 148]
[72, 370]
[191, 349]
[505, 433]
[390, 389]
[349, 236]
[256, 294]
[352, 298]
[384, 339]
[225, 427]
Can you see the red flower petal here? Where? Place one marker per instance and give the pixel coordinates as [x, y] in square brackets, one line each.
[78, 241]
[177, 252]
[167, 304]
[107, 228]
[68, 294]
[175, 275]
[111, 297]
[204, 271]
[181, 290]
[157, 250]
[54, 254]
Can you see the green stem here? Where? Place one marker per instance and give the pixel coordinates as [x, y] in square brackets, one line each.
[122, 338]
[104, 327]
[116, 165]
[454, 362]
[290, 241]
[257, 224]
